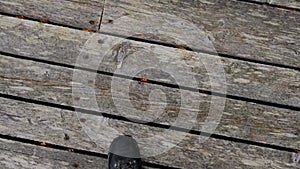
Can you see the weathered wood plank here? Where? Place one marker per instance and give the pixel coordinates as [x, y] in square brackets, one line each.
[240, 119]
[81, 14]
[63, 45]
[237, 28]
[284, 3]
[50, 124]
[15, 155]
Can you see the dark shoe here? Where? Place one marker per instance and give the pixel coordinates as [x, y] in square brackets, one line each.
[124, 153]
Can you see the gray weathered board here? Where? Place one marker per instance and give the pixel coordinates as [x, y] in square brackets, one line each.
[44, 123]
[81, 14]
[59, 92]
[70, 50]
[237, 28]
[63, 45]
[15, 155]
[240, 119]
[251, 31]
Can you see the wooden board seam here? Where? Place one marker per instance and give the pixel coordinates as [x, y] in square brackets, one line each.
[222, 55]
[73, 150]
[151, 124]
[256, 101]
[271, 5]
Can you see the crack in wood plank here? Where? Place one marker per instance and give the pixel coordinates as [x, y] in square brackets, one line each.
[101, 16]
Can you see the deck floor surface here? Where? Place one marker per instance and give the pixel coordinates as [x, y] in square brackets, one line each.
[209, 84]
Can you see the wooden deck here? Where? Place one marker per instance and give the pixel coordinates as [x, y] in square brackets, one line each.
[60, 109]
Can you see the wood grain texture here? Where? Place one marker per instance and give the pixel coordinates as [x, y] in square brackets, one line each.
[236, 28]
[239, 119]
[50, 124]
[248, 30]
[15, 155]
[75, 13]
[52, 84]
[63, 45]
[283, 3]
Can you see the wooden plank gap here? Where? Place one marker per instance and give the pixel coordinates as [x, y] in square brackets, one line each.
[266, 3]
[165, 84]
[72, 150]
[223, 55]
[151, 124]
